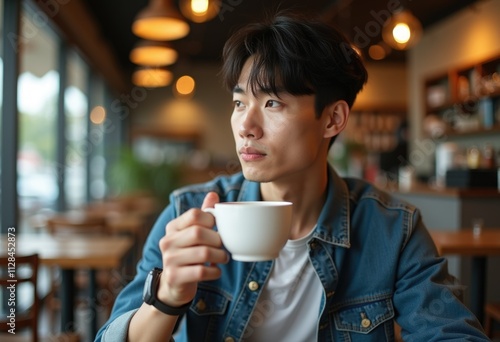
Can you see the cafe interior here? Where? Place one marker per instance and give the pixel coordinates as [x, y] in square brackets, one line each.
[108, 106]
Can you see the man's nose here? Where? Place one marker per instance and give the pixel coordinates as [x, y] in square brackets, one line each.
[251, 126]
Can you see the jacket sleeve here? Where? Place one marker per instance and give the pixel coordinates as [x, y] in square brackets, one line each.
[427, 298]
[130, 297]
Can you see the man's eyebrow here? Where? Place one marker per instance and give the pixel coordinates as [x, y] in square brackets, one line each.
[238, 90]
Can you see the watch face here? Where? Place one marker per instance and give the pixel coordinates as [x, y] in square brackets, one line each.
[147, 294]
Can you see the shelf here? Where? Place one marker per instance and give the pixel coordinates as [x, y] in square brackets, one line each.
[441, 107]
[480, 131]
[376, 131]
[466, 98]
[462, 103]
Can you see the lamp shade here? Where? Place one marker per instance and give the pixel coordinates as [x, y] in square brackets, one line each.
[149, 53]
[160, 20]
[200, 11]
[152, 77]
[402, 30]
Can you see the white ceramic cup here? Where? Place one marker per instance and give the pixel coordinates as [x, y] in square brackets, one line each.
[253, 230]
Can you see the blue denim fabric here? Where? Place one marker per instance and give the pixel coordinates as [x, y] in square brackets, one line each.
[374, 257]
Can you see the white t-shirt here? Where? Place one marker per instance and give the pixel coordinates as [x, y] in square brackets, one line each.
[288, 308]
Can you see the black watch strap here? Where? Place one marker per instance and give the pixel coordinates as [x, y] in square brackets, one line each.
[150, 295]
[170, 310]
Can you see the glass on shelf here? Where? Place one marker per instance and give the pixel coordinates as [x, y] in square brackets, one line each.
[463, 88]
[436, 95]
[477, 226]
[473, 157]
[490, 84]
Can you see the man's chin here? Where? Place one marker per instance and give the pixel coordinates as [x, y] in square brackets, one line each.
[255, 176]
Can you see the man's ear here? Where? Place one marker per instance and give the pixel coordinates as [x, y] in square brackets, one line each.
[336, 116]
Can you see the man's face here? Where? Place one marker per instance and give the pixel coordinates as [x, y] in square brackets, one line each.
[277, 138]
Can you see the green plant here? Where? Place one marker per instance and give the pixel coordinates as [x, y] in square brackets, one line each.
[129, 174]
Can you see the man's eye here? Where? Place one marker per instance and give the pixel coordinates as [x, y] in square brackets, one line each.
[272, 103]
[237, 103]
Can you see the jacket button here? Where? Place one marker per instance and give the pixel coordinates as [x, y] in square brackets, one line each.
[253, 286]
[229, 339]
[201, 305]
[313, 244]
[365, 322]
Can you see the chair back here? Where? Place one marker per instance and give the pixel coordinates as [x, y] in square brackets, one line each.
[78, 222]
[15, 271]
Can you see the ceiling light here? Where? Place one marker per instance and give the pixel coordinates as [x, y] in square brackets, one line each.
[150, 53]
[200, 11]
[152, 77]
[377, 52]
[402, 30]
[185, 86]
[160, 20]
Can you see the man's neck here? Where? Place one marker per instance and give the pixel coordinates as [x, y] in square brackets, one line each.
[308, 196]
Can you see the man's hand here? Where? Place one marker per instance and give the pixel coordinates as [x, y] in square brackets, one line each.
[190, 251]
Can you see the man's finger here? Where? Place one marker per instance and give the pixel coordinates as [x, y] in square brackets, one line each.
[210, 199]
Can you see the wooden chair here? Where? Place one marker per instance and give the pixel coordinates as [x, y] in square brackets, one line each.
[26, 272]
[397, 333]
[491, 315]
[27, 319]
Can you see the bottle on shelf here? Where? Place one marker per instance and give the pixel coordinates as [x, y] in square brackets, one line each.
[489, 160]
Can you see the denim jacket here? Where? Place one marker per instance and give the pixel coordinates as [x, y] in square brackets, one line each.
[373, 256]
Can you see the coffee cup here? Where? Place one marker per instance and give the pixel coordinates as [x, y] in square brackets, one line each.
[253, 230]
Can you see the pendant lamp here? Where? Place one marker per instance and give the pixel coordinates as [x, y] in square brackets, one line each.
[152, 53]
[402, 30]
[200, 11]
[152, 77]
[160, 20]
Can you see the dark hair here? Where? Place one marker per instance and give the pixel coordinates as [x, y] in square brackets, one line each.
[301, 55]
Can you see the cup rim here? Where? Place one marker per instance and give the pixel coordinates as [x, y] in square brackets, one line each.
[260, 203]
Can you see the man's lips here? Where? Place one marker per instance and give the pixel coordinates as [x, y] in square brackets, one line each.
[251, 154]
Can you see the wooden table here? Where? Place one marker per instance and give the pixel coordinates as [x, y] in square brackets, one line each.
[71, 253]
[479, 248]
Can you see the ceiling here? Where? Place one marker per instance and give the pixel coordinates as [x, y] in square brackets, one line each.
[205, 41]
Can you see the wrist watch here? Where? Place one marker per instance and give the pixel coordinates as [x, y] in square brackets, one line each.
[150, 295]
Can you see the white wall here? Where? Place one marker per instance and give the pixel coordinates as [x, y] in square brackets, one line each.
[386, 87]
[469, 36]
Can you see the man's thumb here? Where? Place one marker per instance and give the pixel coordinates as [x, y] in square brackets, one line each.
[210, 199]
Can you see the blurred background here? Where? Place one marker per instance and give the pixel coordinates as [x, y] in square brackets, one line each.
[96, 103]
[79, 108]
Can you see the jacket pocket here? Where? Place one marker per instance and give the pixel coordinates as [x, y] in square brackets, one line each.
[365, 317]
[209, 301]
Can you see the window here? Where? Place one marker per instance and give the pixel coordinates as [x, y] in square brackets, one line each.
[38, 91]
[76, 103]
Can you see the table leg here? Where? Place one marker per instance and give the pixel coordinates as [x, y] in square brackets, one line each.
[67, 300]
[478, 286]
[93, 303]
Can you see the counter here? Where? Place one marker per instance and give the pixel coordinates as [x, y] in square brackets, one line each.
[451, 209]
[425, 190]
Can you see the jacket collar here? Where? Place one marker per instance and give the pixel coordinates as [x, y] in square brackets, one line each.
[333, 225]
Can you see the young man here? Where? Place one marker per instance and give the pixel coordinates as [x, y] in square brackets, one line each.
[357, 259]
